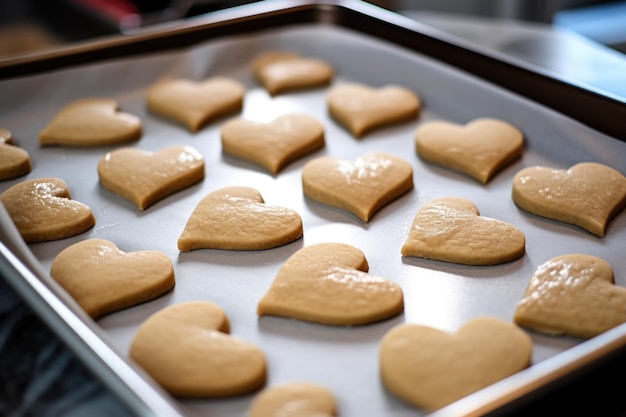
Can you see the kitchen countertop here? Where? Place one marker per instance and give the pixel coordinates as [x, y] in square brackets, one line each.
[41, 377]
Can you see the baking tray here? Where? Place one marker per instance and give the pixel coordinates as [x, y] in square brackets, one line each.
[457, 82]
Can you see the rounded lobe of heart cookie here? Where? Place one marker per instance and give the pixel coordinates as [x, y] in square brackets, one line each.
[361, 109]
[294, 399]
[451, 229]
[14, 162]
[573, 294]
[103, 279]
[283, 71]
[196, 104]
[6, 136]
[361, 187]
[328, 283]
[275, 144]
[237, 218]
[430, 369]
[479, 149]
[91, 122]
[587, 195]
[187, 349]
[144, 178]
[42, 210]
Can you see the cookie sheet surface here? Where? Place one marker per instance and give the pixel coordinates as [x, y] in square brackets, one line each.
[344, 359]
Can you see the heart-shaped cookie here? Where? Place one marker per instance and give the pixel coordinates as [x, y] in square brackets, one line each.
[275, 144]
[145, 178]
[187, 349]
[587, 195]
[451, 229]
[280, 71]
[195, 104]
[294, 399]
[91, 122]
[103, 279]
[14, 162]
[361, 187]
[572, 294]
[328, 283]
[237, 218]
[361, 109]
[430, 368]
[42, 209]
[479, 149]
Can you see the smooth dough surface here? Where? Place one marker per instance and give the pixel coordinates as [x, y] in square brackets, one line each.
[187, 348]
[573, 294]
[587, 195]
[328, 283]
[430, 368]
[294, 399]
[14, 162]
[103, 279]
[480, 149]
[361, 109]
[361, 187]
[275, 144]
[194, 104]
[281, 71]
[237, 218]
[144, 178]
[91, 122]
[42, 210]
[451, 229]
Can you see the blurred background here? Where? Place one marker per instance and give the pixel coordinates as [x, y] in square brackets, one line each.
[31, 25]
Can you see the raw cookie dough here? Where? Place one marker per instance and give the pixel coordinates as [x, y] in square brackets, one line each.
[572, 294]
[91, 122]
[328, 283]
[587, 195]
[361, 187]
[273, 145]
[145, 178]
[195, 104]
[281, 71]
[430, 368]
[103, 279]
[361, 109]
[294, 399]
[451, 229]
[14, 162]
[42, 209]
[479, 149]
[187, 349]
[237, 218]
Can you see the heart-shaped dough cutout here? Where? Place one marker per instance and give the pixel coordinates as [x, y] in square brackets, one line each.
[237, 218]
[328, 283]
[283, 71]
[479, 149]
[103, 279]
[42, 210]
[273, 145]
[361, 109]
[14, 162]
[451, 229]
[587, 195]
[294, 399]
[195, 104]
[91, 122]
[187, 349]
[145, 178]
[361, 187]
[430, 368]
[572, 294]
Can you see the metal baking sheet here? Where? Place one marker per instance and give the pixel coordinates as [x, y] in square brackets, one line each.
[437, 294]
